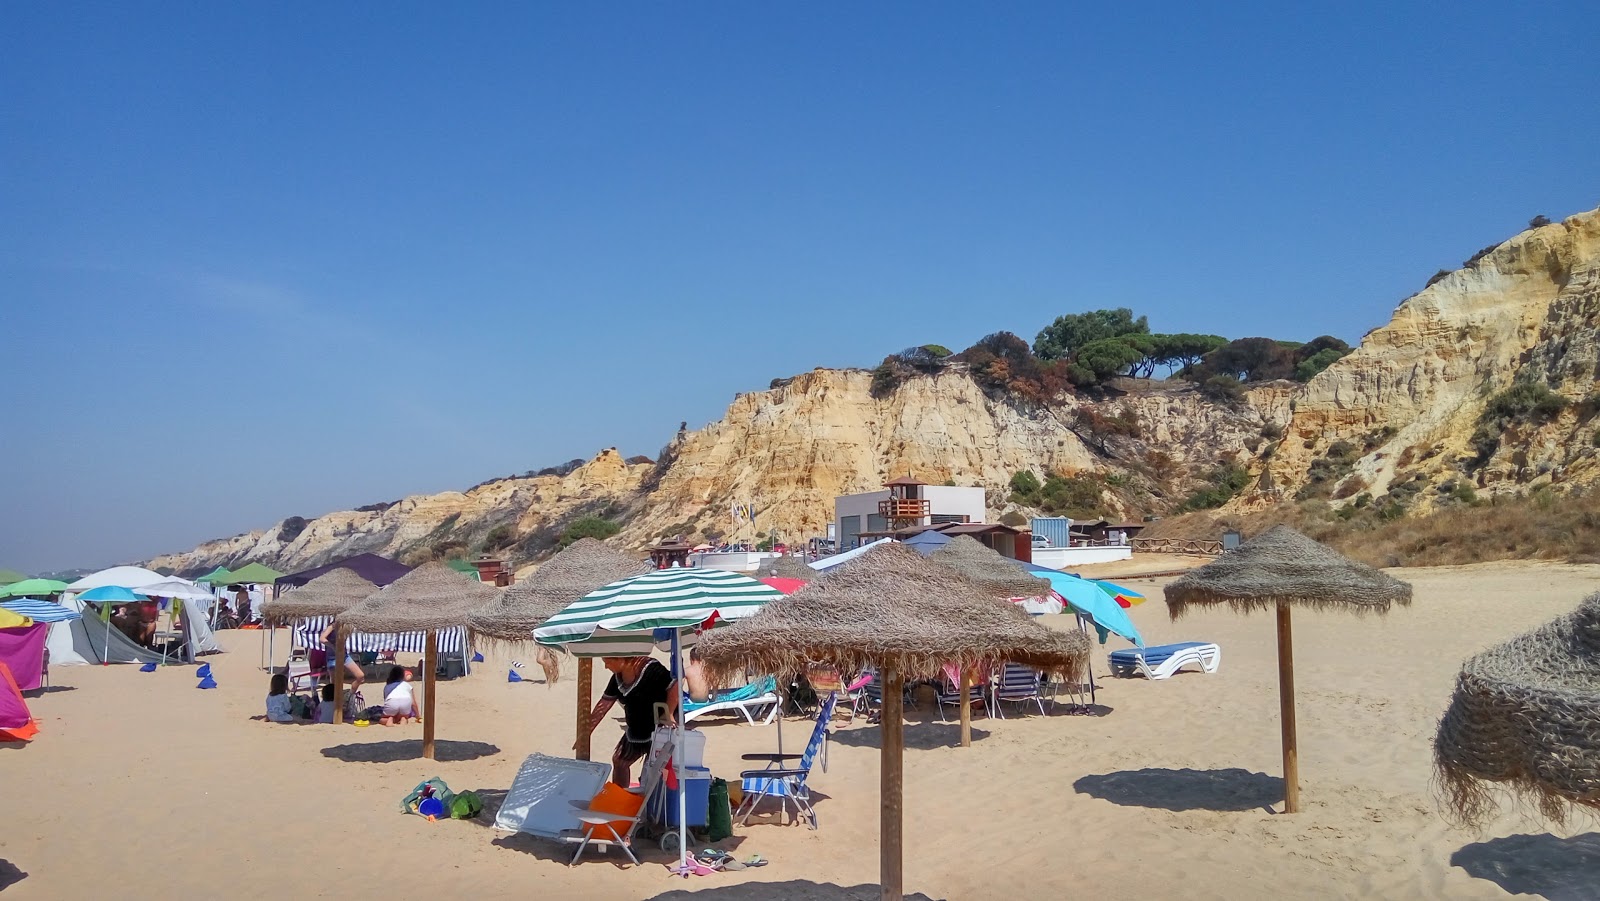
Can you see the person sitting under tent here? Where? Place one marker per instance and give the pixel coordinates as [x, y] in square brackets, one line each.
[640, 683]
[357, 674]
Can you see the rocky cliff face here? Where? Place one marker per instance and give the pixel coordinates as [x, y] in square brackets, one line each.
[1397, 419]
[1400, 415]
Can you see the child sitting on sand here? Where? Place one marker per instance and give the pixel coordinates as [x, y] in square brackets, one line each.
[278, 702]
[398, 701]
[325, 706]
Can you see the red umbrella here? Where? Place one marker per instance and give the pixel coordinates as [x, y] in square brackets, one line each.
[787, 586]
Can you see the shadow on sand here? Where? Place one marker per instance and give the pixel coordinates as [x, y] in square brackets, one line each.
[1161, 789]
[919, 736]
[793, 890]
[409, 749]
[10, 874]
[48, 690]
[1561, 869]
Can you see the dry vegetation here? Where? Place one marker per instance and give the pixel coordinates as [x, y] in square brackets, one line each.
[1539, 526]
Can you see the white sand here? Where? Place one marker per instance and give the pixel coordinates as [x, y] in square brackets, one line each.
[141, 786]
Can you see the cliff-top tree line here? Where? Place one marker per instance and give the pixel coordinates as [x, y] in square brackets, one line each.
[1084, 350]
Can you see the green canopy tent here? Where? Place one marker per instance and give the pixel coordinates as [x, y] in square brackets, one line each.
[7, 576]
[463, 567]
[218, 576]
[253, 574]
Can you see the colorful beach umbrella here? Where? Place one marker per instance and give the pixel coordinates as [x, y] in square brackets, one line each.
[41, 611]
[1127, 597]
[28, 587]
[1090, 598]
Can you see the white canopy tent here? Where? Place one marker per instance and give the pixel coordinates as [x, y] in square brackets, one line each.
[132, 577]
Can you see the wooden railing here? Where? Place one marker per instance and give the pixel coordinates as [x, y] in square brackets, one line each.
[903, 508]
[1176, 546]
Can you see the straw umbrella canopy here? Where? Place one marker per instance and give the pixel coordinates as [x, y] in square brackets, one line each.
[1526, 716]
[996, 576]
[786, 567]
[429, 598]
[329, 594]
[1278, 569]
[907, 616]
[988, 570]
[585, 565]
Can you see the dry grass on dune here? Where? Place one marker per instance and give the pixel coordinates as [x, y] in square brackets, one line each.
[1539, 526]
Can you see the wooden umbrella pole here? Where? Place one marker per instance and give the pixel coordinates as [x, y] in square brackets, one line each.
[585, 690]
[889, 867]
[1291, 750]
[966, 707]
[337, 665]
[430, 662]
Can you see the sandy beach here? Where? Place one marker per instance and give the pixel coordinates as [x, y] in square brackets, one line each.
[141, 786]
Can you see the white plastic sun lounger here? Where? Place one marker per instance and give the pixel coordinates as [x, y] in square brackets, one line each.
[749, 701]
[1162, 661]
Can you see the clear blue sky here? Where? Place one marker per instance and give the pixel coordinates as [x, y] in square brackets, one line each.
[265, 260]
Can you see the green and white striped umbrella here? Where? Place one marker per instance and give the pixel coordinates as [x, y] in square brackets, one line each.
[619, 619]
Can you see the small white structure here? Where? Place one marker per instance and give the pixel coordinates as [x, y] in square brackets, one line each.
[731, 561]
[1069, 557]
[903, 502]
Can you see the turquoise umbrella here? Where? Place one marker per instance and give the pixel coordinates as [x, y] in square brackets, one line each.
[1087, 597]
[109, 594]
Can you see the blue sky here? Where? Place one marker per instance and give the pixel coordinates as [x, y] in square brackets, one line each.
[265, 261]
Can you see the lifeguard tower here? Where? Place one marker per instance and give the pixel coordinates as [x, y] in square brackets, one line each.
[906, 505]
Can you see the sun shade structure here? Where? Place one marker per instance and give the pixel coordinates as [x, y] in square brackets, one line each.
[431, 597]
[1278, 569]
[1525, 716]
[329, 594]
[908, 616]
[996, 576]
[787, 567]
[218, 576]
[583, 566]
[380, 571]
[988, 570]
[32, 588]
[253, 574]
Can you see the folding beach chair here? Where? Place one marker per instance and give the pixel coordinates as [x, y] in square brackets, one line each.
[788, 784]
[1018, 684]
[614, 825]
[948, 691]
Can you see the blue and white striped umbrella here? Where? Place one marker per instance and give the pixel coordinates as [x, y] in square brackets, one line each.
[41, 611]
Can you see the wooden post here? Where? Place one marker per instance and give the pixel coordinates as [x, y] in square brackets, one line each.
[585, 687]
[430, 662]
[1291, 749]
[337, 665]
[966, 707]
[890, 876]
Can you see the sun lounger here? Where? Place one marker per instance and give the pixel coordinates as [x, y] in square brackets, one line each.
[1162, 661]
[547, 794]
[749, 700]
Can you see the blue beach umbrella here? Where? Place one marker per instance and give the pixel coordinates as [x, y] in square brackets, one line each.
[1089, 598]
[41, 611]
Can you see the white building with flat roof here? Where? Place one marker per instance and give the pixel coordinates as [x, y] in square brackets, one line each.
[903, 502]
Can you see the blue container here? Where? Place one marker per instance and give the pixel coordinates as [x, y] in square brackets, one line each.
[1055, 528]
[698, 799]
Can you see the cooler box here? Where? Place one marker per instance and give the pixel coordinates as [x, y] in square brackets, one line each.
[698, 799]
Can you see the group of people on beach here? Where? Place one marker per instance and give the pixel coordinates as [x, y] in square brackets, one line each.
[399, 700]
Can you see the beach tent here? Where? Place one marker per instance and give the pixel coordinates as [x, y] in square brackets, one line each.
[16, 721]
[7, 576]
[218, 576]
[22, 649]
[380, 571]
[583, 566]
[134, 577]
[80, 641]
[907, 616]
[1277, 570]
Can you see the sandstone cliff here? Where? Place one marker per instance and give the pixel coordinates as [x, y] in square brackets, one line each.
[1396, 421]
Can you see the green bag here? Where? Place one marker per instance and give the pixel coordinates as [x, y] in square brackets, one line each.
[466, 805]
[433, 788]
[719, 820]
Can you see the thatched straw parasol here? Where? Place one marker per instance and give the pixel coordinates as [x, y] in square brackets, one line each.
[1526, 715]
[998, 577]
[329, 594]
[786, 567]
[907, 616]
[585, 565]
[1277, 569]
[431, 597]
